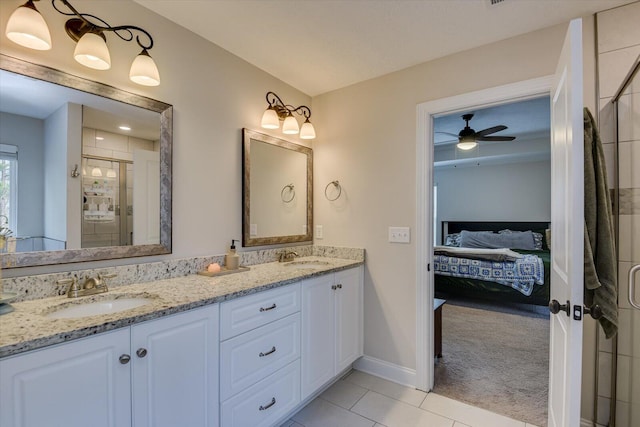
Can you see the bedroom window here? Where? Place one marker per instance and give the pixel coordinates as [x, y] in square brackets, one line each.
[435, 215]
[8, 187]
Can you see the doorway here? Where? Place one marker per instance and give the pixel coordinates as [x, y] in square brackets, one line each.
[497, 186]
[426, 114]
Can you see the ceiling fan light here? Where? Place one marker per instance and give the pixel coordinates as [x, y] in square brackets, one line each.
[27, 27]
[290, 125]
[144, 70]
[467, 145]
[92, 51]
[307, 131]
[270, 119]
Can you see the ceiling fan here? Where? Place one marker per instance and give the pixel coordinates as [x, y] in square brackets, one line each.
[468, 138]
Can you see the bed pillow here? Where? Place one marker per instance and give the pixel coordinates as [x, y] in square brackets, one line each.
[491, 240]
[537, 238]
[452, 240]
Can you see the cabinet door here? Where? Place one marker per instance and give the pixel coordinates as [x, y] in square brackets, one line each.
[348, 317]
[318, 347]
[77, 384]
[175, 370]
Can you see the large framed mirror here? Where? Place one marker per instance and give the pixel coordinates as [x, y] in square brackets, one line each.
[277, 188]
[85, 169]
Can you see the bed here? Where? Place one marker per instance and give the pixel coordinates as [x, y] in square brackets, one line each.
[532, 289]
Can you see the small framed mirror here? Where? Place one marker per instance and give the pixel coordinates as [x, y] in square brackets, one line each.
[277, 191]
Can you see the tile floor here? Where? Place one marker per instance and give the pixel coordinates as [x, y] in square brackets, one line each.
[363, 400]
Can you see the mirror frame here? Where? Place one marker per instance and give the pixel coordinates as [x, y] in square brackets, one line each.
[40, 258]
[247, 240]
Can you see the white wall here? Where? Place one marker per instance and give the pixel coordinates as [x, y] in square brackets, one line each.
[367, 140]
[28, 135]
[55, 180]
[510, 192]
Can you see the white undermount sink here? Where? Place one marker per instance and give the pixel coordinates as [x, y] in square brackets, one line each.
[98, 307]
[307, 264]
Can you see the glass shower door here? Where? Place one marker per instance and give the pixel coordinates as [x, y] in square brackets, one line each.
[627, 412]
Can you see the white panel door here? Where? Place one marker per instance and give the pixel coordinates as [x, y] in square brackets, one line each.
[318, 336]
[567, 232]
[146, 197]
[175, 370]
[78, 384]
[348, 317]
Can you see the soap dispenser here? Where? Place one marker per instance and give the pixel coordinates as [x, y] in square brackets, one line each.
[232, 259]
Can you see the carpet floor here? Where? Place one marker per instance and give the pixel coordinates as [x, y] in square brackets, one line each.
[495, 360]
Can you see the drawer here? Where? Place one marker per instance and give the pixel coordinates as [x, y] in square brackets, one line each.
[250, 357]
[264, 403]
[246, 313]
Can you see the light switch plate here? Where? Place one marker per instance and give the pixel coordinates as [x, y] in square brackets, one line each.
[319, 232]
[399, 235]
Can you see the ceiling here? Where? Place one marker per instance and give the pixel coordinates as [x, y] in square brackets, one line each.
[318, 46]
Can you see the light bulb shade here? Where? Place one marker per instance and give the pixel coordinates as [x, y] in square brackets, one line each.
[96, 172]
[144, 70]
[467, 145]
[270, 119]
[28, 28]
[307, 131]
[91, 51]
[111, 173]
[290, 126]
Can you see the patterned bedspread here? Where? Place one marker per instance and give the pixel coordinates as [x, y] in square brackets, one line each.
[521, 274]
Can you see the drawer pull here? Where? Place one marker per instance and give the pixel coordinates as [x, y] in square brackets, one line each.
[268, 405]
[268, 308]
[273, 350]
[124, 359]
[334, 287]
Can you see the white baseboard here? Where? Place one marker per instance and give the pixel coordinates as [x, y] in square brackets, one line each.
[388, 371]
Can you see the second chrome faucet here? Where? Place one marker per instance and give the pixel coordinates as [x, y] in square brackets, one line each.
[90, 286]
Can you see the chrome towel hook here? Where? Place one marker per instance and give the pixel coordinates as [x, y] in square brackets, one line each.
[338, 187]
[291, 192]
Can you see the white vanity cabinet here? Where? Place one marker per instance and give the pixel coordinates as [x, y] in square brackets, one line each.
[331, 326]
[260, 357]
[161, 372]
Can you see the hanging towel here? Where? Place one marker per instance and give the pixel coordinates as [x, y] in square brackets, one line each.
[600, 278]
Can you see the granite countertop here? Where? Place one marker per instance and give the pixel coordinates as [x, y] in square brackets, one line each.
[28, 328]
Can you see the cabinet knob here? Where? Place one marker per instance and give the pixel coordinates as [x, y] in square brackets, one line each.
[334, 287]
[339, 285]
[124, 359]
[141, 352]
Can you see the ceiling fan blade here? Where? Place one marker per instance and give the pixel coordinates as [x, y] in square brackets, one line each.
[488, 131]
[448, 133]
[496, 138]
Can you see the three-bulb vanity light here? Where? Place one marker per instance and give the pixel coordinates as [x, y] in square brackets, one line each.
[278, 110]
[27, 27]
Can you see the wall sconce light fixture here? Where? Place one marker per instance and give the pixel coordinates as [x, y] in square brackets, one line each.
[27, 27]
[278, 110]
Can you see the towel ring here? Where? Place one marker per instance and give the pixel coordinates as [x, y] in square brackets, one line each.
[337, 185]
[291, 190]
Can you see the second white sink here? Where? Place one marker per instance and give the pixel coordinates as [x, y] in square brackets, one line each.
[98, 307]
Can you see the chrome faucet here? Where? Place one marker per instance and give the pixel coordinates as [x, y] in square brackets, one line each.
[286, 256]
[91, 285]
